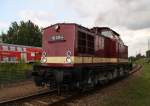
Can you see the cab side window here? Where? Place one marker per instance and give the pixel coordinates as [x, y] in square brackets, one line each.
[85, 43]
[90, 44]
[81, 42]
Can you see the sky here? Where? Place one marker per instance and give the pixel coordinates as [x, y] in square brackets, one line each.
[130, 18]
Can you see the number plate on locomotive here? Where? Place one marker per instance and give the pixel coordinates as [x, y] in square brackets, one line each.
[56, 38]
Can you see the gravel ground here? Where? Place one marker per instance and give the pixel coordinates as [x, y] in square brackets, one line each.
[99, 98]
[22, 89]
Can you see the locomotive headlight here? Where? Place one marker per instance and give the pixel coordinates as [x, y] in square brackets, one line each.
[43, 60]
[57, 27]
[68, 60]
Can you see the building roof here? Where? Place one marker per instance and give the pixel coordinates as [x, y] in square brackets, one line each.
[18, 45]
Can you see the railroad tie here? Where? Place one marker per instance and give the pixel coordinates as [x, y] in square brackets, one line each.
[42, 102]
[28, 104]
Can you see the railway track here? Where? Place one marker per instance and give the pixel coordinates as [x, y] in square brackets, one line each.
[135, 69]
[23, 101]
[50, 98]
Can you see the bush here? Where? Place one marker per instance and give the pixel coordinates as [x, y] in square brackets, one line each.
[13, 72]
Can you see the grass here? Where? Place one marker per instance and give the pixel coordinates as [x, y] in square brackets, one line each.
[137, 92]
[10, 73]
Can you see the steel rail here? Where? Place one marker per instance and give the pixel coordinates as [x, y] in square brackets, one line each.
[22, 98]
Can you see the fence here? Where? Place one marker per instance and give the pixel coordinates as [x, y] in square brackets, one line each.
[12, 73]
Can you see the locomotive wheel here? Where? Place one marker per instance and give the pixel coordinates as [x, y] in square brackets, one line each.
[91, 81]
[126, 72]
[105, 80]
[109, 76]
[121, 72]
[115, 73]
[94, 80]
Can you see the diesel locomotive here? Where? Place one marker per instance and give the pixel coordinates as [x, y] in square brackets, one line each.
[78, 57]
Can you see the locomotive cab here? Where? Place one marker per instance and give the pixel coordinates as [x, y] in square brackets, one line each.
[66, 45]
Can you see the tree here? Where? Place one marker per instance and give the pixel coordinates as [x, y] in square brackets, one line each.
[24, 33]
[132, 58]
[148, 54]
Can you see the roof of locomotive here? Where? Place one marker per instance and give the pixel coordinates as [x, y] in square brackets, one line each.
[60, 24]
[80, 26]
[90, 30]
[105, 28]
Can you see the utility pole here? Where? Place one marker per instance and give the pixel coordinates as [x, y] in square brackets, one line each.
[148, 52]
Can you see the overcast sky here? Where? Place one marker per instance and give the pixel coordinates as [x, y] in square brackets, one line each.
[130, 18]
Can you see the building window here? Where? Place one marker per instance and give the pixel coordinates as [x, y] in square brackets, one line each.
[13, 59]
[24, 49]
[12, 48]
[32, 54]
[5, 48]
[5, 59]
[19, 49]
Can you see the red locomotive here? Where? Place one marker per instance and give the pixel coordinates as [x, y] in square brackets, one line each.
[78, 57]
[11, 53]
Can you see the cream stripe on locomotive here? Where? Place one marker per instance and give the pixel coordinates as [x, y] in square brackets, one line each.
[123, 60]
[75, 59]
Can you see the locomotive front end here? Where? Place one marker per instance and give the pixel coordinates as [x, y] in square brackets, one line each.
[58, 44]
